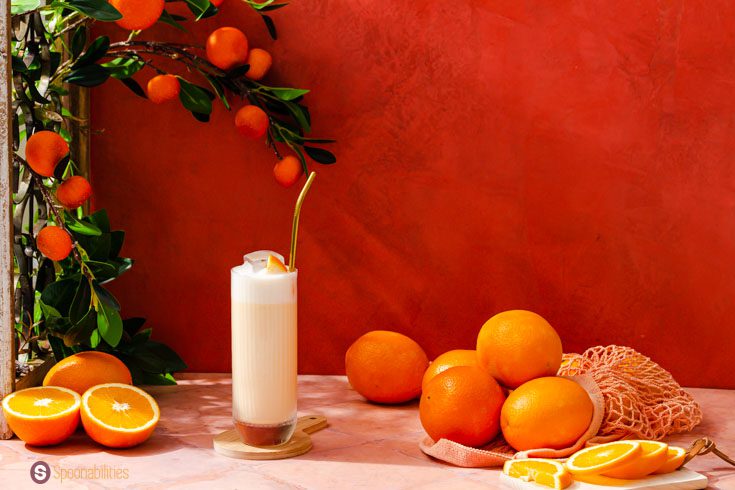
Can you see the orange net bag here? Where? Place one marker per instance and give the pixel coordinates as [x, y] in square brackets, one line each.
[642, 399]
[633, 397]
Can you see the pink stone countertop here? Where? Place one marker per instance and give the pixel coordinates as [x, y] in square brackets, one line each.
[365, 446]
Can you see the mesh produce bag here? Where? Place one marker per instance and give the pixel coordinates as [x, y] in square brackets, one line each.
[633, 398]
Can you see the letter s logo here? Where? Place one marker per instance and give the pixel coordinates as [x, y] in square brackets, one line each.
[40, 472]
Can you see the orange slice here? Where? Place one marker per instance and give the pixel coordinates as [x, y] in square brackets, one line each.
[44, 415]
[653, 456]
[545, 472]
[674, 459]
[274, 265]
[598, 459]
[119, 415]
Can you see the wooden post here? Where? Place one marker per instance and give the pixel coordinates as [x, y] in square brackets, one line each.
[7, 316]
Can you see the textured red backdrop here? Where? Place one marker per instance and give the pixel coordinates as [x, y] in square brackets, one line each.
[574, 158]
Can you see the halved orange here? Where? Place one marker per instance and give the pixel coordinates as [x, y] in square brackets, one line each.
[545, 472]
[118, 415]
[598, 459]
[674, 459]
[654, 455]
[44, 415]
[274, 265]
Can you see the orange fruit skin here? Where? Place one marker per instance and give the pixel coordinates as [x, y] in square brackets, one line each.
[83, 370]
[674, 459]
[462, 404]
[216, 3]
[54, 242]
[386, 367]
[43, 431]
[251, 121]
[288, 171]
[115, 439]
[654, 456]
[138, 14]
[44, 151]
[550, 412]
[452, 358]
[227, 47]
[260, 62]
[517, 346]
[163, 88]
[73, 192]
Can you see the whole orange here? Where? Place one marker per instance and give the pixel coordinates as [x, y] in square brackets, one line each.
[163, 88]
[452, 358]
[227, 47]
[54, 242]
[81, 371]
[288, 171]
[251, 121]
[73, 192]
[386, 367]
[518, 345]
[260, 62]
[462, 404]
[549, 412]
[138, 14]
[44, 151]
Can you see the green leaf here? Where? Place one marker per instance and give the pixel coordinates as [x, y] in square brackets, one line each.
[59, 349]
[133, 325]
[272, 7]
[271, 26]
[88, 76]
[60, 294]
[141, 337]
[169, 19]
[106, 297]
[116, 242]
[134, 87]
[301, 117]
[96, 50]
[81, 227]
[155, 357]
[121, 68]
[194, 98]
[320, 155]
[285, 93]
[81, 331]
[78, 40]
[157, 379]
[81, 303]
[33, 90]
[18, 7]
[48, 311]
[218, 89]
[100, 219]
[198, 7]
[97, 9]
[109, 324]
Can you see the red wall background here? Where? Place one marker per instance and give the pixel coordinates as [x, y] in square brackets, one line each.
[575, 158]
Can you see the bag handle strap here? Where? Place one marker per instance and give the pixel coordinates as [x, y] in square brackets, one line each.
[703, 446]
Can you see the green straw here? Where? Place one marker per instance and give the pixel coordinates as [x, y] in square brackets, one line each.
[295, 226]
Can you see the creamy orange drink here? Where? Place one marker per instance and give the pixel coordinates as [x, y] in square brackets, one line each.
[264, 334]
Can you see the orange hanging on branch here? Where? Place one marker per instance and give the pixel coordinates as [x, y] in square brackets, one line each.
[44, 151]
[227, 47]
[54, 243]
[73, 192]
[163, 88]
[138, 14]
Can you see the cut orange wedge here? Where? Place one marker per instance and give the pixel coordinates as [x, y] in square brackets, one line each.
[674, 459]
[274, 265]
[546, 472]
[652, 457]
[44, 415]
[118, 415]
[598, 459]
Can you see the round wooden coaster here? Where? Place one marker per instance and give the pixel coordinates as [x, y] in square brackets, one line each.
[229, 444]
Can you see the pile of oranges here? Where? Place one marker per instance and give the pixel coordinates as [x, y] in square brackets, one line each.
[507, 384]
[91, 387]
